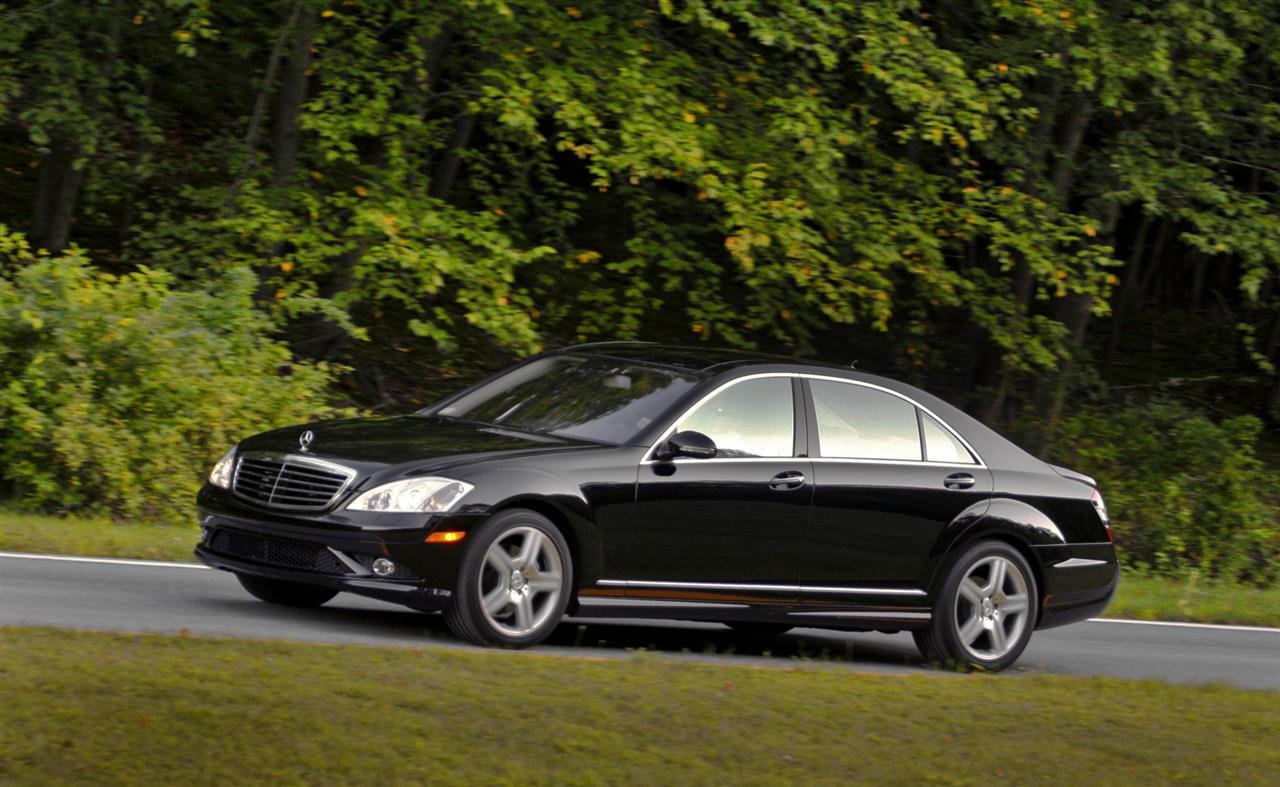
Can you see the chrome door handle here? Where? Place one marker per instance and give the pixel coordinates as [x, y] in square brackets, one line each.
[959, 481]
[791, 479]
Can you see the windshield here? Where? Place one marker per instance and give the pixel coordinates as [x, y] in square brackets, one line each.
[577, 396]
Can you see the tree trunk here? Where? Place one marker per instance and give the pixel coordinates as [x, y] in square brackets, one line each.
[293, 93]
[56, 192]
[447, 170]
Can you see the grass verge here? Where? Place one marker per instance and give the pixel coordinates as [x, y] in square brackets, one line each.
[1195, 601]
[1143, 598]
[93, 707]
[95, 537]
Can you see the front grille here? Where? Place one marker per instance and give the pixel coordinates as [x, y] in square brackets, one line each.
[292, 482]
[276, 552]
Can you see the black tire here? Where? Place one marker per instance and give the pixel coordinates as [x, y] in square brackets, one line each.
[943, 642]
[466, 614]
[759, 630]
[289, 594]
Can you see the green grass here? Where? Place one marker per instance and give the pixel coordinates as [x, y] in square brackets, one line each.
[1160, 598]
[111, 708]
[1144, 598]
[98, 537]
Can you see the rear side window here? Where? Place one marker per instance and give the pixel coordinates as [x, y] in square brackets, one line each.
[750, 418]
[857, 422]
[942, 446]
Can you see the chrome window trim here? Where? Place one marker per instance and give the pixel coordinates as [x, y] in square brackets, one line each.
[670, 430]
[286, 458]
[848, 591]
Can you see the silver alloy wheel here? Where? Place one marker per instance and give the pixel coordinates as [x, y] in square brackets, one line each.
[991, 607]
[521, 581]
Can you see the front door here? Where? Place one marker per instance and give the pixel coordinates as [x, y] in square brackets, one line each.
[732, 526]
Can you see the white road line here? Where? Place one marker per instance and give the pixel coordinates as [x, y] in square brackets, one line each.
[1217, 626]
[114, 561]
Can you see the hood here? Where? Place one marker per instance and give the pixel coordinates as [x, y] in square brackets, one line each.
[406, 438]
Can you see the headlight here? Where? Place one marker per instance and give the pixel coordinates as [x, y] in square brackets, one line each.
[413, 495]
[221, 473]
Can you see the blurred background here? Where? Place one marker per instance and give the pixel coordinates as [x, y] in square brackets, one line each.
[221, 217]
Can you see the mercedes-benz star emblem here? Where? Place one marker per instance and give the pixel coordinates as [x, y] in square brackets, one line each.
[304, 440]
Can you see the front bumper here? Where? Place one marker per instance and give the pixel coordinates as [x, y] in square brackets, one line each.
[319, 551]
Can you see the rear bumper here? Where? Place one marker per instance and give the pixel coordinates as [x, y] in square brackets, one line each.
[1078, 582]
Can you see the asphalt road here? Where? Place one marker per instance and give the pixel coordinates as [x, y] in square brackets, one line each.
[167, 598]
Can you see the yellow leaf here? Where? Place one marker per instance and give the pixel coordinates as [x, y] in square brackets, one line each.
[317, 175]
[182, 35]
[689, 117]
[904, 40]
[362, 191]
[696, 327]
[573, 12]
[1003, 67]
[1091, 231]
[503, 300]
[500, 211]
[970, 190]
[286, 266]
[326, 13]
[281, 294]
[137, 20]
[784, 314]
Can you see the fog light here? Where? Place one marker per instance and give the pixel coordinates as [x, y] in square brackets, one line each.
[383, 567]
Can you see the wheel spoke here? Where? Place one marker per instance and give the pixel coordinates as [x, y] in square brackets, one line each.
[971, 629]
[498, 558]
[1013, 604]
[970, 591]
[524, 612]
[998, 642]
[530, 548]
[497, 600]
[998, 568]
[545, 583]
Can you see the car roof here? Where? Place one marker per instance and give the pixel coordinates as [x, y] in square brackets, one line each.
[701, 360]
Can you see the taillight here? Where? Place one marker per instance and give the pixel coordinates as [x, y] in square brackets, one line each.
[1100, 506]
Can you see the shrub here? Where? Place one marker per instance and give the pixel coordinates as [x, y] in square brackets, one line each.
[118, 392]
[1185, 493]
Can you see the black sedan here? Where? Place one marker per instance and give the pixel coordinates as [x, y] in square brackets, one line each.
[638, 480]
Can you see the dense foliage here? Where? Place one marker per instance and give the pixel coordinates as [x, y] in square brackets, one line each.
[1023, 204]
[119, 391]
[1186, 493]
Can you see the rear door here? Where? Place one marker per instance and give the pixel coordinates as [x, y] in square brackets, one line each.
[888, 476]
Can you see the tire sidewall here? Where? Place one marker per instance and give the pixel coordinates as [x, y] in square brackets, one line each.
[944, 621]
[466, 586]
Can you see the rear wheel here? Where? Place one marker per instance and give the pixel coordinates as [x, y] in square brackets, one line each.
[289, 594]
[513, 583]
[985, 610]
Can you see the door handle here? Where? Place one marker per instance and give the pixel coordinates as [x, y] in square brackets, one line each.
[959, 481]
[790, 479]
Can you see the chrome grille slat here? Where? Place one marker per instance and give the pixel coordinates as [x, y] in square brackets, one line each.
[290, 481]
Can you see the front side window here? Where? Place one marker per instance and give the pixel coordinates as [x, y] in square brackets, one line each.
[750, 418]
[857, 422]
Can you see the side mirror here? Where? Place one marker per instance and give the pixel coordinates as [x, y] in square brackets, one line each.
[692, 444]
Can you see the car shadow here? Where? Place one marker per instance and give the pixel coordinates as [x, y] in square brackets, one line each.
[369, 622]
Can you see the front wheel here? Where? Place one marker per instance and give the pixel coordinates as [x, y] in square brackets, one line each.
[289, 594]
[513, 583]
[985, 610]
